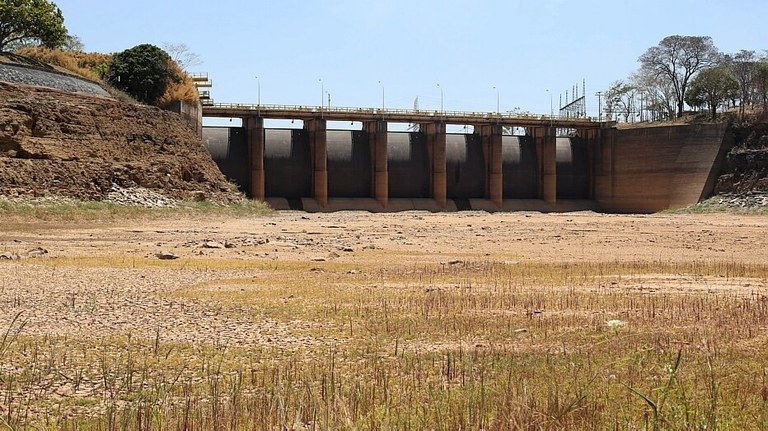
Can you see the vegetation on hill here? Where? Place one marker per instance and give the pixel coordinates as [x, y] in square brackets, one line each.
[689, 71]
[142, 71]
[95, 66]
[35, 29]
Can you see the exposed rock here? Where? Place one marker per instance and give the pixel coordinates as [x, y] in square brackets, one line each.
[54, 143]
[746, 165]
[37, 252]
[166, 255]
[9, 256]
[213, 244]
[138, 196]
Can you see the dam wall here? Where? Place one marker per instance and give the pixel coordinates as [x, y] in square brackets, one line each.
[630, 170]
[649, 169]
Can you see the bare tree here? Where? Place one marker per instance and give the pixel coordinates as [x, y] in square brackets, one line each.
[181, 54]
[620, 99]
[742, 66]
[677, 59]
[73, 43]
[659, 95]
[760, 81]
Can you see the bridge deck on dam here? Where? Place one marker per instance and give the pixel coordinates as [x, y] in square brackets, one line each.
[236, 110]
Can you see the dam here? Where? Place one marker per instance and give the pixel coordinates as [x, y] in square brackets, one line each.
[558, 164]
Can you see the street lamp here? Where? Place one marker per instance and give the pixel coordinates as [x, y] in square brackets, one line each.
[498, 111]
[382, 99]
[599, 95]
[550, 107]
[322, 96]
[258, 105]
[551, 112]
[442, 111]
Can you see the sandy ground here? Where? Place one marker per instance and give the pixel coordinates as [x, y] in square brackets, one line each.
[106, 280]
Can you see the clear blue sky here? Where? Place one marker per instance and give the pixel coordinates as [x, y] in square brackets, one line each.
[523, 48]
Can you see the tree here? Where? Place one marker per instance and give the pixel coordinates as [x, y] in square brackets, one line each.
[712, 87]
[36, 21]
[742, 65]
[659, 95]
[677, 59]
[181, 54]
[760, 81]
[620, 99]
[73, 43]
[143, 71]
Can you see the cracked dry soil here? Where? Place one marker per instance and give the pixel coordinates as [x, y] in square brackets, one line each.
[105, 280]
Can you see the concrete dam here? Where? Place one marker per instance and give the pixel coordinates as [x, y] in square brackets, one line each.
[599, 168]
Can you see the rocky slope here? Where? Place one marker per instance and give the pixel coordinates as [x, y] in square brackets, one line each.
[56, 143]
[746, 165]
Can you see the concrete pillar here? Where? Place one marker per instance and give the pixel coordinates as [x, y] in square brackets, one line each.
[604, 166]
[546, 150]
[494, 184]
[254, 128]
[316, 129]
[436, 142]
[591, 138]
[377, 137]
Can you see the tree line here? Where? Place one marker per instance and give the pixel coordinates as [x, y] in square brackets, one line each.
[688, 70]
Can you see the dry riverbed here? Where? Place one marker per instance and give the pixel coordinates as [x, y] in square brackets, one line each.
[295, 285]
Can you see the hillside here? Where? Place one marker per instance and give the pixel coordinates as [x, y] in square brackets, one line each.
[746, 166]
[57, 143]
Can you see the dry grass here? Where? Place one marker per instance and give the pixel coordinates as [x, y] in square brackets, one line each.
[93, 64]
[62, 210]
[85, 64]
[474, 344]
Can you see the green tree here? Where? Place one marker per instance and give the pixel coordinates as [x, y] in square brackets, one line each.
[712, 87]
[36, 21]
[677, 59]
[143, 71]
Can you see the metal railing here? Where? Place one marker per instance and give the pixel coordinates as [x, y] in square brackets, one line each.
[302, 109]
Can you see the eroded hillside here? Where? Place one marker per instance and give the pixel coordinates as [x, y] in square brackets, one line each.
[54, 143]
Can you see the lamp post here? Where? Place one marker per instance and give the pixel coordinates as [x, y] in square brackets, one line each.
[382, 99]
[599, 95]
[322, 96]
[498, 111]
[442, 111]
[258, 103]
[550, 107]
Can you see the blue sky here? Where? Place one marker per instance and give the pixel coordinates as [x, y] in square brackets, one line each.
[523, 48]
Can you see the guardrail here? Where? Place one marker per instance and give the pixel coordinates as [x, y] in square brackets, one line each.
[301, 109]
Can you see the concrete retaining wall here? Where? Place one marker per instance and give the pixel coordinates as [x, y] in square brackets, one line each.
[34, 76]
[656, 168]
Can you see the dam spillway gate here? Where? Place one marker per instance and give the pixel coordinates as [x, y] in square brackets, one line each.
[317, 169]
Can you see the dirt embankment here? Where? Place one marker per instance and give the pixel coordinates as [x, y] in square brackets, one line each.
[55, 143]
